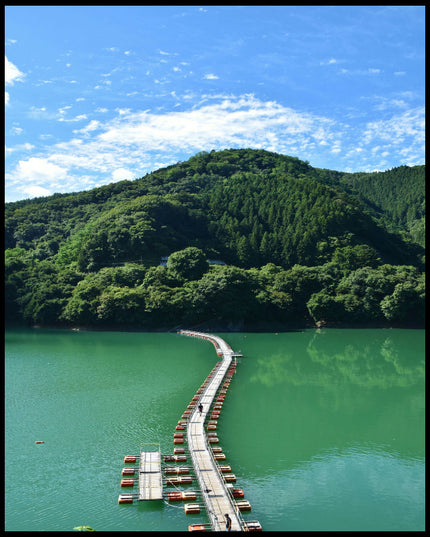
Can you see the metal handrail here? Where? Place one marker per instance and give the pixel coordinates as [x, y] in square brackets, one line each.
[219, 473]
[235, 509]
[230, 499]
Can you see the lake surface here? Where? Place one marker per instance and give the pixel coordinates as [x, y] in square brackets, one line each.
[324, 429]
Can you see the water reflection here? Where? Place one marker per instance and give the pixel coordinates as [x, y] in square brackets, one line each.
[361, 487]
[301, 395]
[367, 359]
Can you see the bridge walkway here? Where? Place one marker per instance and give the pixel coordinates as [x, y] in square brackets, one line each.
[215, 494]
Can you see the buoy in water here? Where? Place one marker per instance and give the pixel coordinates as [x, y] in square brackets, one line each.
[189, 495]
[253, 525]
[174, 496]
[196, 527]
[125, 498]
[191, 508]
[179, 480]
[176, 470]
[128, 471]
[243, 505]
[225, 468]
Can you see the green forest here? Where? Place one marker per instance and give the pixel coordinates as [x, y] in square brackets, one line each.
[249, 239]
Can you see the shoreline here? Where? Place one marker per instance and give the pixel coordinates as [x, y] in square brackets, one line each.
[228, 327]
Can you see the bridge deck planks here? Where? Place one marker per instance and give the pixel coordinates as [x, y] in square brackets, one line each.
[212, 485]
[150, 477]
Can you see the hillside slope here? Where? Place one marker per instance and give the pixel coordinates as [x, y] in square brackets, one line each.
[249, 208]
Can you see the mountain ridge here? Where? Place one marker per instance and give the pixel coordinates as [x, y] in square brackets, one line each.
[250, 208]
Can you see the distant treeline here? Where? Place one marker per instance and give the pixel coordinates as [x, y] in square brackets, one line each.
[300, 244]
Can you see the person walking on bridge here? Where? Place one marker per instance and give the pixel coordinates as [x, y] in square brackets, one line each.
[200, 409]
[227, 522]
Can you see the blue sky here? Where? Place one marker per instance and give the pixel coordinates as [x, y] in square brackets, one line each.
[97, 94]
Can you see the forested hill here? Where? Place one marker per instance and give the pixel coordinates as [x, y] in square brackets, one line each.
[297, 243]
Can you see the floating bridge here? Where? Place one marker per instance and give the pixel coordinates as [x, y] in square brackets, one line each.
[216, 493]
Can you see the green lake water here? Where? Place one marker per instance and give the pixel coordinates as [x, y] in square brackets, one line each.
[324, 429]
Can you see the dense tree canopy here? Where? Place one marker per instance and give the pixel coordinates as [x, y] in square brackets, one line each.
[300, 244]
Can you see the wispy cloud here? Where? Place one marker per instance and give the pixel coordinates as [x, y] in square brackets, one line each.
[402, 133]
[132, 143]
[331, 61]
[11, 75]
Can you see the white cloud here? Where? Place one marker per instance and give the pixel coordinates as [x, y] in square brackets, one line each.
[134, 143]
[34, 191]
[336, 148]
[40, 169]
[92, 126]
[80, 117]
[127, 146]
[398, 128]
[16, 130]
[402, 137]
[37, 177]
[360, 72]
[20, 147]
[331, 61]
[211, 76]
[122, 173]
[12, 73]
[243, 121]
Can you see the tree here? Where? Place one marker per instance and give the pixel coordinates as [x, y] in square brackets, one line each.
[187, 264]
[225, 293]
[405, 303]
[299, 282]
[244, 251]
[165, 306]
[323, 307]
[247, 207]
[122, 306]
[353, 257]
